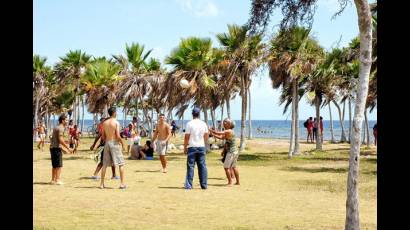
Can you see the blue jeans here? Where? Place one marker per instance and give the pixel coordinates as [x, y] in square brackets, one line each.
[196, 154]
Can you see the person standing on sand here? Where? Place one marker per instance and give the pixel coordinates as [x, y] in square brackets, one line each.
[112, 151]
[231, 150]
[309, 129]
[196, 135]
[160, 140]
[41, 130]
[99, 166]
[57, 141]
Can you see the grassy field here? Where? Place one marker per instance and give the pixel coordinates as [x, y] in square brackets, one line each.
[306, 192]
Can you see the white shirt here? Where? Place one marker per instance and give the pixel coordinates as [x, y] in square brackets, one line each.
[196, 130]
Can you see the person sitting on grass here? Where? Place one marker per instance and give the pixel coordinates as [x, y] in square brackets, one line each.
[147, 152]
[231, 150]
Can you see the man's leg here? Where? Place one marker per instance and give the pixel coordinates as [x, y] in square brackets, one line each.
[202, 171]
[122, 175]
[53, 175]
[58, 173]
[235, 170]
[113, 171]
[99, 166]
[228, 175]
[104, 168]
[190, 163]
[163, 163]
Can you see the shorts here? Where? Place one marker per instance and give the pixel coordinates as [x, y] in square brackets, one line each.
[56, 157]
[231, 159]
[42, 136]
[112, 154]
[130, 141]
[160, 147]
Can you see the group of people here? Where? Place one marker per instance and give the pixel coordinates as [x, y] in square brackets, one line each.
[111, 143]
[313, 127]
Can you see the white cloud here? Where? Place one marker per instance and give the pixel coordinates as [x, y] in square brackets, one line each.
[199, 8]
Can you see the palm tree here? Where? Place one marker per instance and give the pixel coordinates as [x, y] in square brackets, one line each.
[293, 55]
[100, 84]
[303, 11]
[245, 54]
[40, 73]
[69, 71]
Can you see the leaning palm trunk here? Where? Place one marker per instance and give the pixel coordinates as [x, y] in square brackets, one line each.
[331, 125]
[222, 116]
[365, 28]
[318, 133]
[350, 118]
[249, 116]
[367, 129]
[296, 150]
[292, 129]
[343, 135]
[78, 108]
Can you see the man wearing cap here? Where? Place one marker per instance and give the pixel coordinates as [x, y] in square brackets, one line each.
[196, 135]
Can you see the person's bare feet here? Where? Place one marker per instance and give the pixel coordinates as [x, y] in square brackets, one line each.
[237, 183]
[164, 170]
[102, 187]
[229, 185]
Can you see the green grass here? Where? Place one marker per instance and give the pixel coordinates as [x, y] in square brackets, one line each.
[305, 192]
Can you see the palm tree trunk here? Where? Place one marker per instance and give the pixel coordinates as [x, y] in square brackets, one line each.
[331, 125]
[343, 135]
[54, 120]
[82, 116]
[222, 116]
[206, 116]
[36, 110]
[105, 111]
[228, 108]
[350, 117]
[151, 133]
[243, 116]
[365, 28]
[136, 107]
[367, 129]
[319, 134]
[182, 126]
[292, 127]
[125, 116]
[213, 119]
[296, 150]
[343, 115]
[249, 116]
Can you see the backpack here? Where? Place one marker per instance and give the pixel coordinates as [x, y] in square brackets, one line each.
[305, 124]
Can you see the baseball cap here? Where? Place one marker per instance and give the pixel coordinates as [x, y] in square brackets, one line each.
[196, 111]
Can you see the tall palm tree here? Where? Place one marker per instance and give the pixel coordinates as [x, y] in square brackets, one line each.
[69, 71]
[40, 73]
[245, 54]
[292, 56]
[100, 84]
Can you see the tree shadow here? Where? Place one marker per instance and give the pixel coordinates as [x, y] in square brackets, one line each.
[42, 183]
[70, 158]
[147, 171]
[214, 178]
[98, 187]
[372, 172]
[317, 170]
[371, 160]
[327, 159]
[168, 187]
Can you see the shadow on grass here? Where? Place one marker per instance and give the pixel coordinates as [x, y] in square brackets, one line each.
[171, 187]
[97, 187]
[373, 172]
[327, 159]
[370, 160]
[42, 183]
[146, 171]
[317, 170]
[70, 158]
[214, 178]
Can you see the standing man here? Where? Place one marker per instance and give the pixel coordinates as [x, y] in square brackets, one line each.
[196, 135]
[57, 141]
[112, 151]
[160, 140]
[310, 129]
[41, 130]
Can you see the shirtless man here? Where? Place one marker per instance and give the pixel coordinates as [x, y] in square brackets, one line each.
[160, 140]
[42, 134]
[112, 151]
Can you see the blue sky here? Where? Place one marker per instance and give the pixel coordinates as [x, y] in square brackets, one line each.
[103, 27]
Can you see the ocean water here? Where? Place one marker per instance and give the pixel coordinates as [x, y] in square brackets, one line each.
[277, 129]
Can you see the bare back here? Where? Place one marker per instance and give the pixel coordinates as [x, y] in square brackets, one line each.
[111, 130]
[41, 129]
[163, 130]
